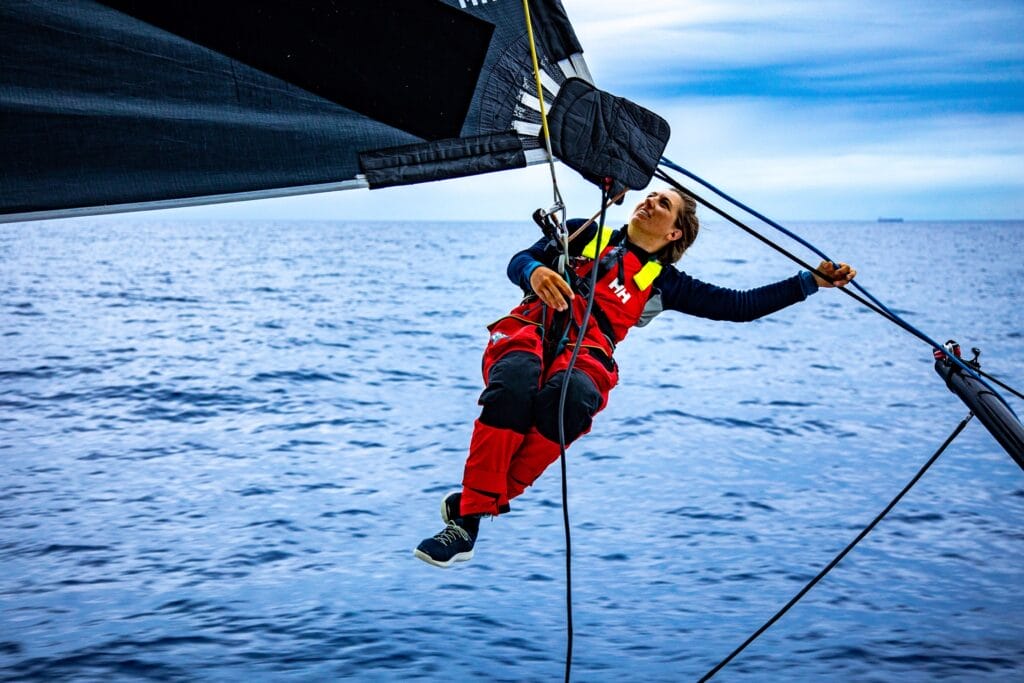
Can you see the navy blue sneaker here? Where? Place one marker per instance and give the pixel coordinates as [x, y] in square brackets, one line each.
[455, 542]
[450, 545]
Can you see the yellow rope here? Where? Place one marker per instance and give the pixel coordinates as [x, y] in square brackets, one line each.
[540, 98]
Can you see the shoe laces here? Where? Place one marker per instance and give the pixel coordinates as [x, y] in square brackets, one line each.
[451, 533]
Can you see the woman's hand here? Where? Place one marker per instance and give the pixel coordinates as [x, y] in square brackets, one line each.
[551, 288]
[840, 276]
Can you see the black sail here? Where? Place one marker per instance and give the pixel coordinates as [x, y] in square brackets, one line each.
[124, 104]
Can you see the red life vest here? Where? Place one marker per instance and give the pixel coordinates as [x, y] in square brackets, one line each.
[620, 298]
[618, 306]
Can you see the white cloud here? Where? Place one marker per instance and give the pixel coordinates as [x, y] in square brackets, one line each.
[668, 41]
[837, 161]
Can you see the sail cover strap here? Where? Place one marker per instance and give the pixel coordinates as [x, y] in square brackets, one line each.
[603, 136]
[418, 163]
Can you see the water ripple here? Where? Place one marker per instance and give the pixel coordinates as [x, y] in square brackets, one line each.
[222, 441]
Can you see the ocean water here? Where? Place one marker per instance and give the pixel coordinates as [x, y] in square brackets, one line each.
[220, 443]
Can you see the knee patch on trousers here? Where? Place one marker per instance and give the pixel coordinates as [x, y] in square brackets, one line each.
[511, 389]
[581, 404]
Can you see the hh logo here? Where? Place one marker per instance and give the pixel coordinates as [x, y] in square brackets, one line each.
[464, 3]
[620, 290]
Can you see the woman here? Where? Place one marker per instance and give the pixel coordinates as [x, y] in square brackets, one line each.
[517, 434]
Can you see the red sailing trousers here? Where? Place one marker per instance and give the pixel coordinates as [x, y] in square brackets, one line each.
[516, 435]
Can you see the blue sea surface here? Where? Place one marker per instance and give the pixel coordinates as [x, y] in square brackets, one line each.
[220, 443]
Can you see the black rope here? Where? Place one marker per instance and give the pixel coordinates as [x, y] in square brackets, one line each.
[561, 430]
[876, 307]
[885, 313]
[838, 558]
[561, 427]
[661, 175]
[1002, 384]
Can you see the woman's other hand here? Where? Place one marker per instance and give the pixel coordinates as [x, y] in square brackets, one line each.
[840, 276]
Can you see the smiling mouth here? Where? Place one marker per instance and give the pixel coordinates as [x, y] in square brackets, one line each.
[643, 213]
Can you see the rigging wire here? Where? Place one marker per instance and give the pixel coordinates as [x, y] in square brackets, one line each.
[838, 558]
[875, 305]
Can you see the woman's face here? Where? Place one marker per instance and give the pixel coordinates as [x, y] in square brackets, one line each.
[656, 215]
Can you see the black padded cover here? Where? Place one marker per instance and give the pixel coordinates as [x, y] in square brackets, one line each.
[604, 136]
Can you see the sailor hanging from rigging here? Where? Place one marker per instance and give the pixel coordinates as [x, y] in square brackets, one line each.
[516, 436]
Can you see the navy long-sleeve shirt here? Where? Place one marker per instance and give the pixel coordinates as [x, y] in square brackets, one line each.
[674, 290]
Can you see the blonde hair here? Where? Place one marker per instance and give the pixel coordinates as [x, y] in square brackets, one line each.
[688, 224]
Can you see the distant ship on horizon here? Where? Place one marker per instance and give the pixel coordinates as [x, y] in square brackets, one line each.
[890, 219]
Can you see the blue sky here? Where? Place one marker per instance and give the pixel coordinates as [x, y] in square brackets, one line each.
[835, 109]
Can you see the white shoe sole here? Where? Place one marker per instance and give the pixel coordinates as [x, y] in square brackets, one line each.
[460, 557]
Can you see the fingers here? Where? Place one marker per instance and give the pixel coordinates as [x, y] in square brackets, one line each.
[844, 275]
[551, 288]
[838, 277]
[557, 293]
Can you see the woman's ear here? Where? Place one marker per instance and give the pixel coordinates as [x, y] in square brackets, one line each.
[674, 235]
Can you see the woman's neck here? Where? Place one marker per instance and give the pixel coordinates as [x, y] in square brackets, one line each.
[652, 245]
